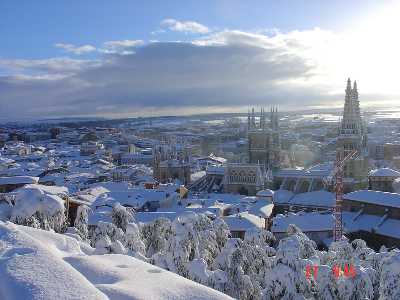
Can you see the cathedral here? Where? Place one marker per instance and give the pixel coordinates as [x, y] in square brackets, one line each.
[171, 162]
[264, 143]
[352, 136]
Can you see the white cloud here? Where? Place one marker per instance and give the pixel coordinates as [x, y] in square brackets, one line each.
[122, 47]
[223, 70]
[240, 69]
[56, 65]
[184, 26]
[78, 50]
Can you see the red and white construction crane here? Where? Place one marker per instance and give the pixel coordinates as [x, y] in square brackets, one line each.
[338, 174]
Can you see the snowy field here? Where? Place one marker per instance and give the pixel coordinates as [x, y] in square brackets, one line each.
[38, 264]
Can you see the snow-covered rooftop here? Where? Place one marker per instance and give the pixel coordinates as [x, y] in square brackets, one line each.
[352, 222]
[18, 180]
[282, 196]
[132, 197]
[48, 189]
[384, 172]
[147, 217]
[307, 222]
[316, 198]
[244, 221]
[374, 197]
[265, 193]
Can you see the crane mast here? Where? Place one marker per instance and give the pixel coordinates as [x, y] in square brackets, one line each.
[338, 173]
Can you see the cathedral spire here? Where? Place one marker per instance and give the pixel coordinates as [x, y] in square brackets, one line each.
[262, 119]
[355, 91]
[248, 119]
[272, 117]
[348, 87]
[253, 119]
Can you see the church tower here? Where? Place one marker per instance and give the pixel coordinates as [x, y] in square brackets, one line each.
[352, 136]
[263, 142]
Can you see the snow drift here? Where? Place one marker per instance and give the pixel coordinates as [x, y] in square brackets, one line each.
[38, 264]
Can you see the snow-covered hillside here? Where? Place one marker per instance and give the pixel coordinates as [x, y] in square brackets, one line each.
[38, 264]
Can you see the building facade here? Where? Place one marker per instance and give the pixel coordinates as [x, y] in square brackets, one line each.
[244, 179]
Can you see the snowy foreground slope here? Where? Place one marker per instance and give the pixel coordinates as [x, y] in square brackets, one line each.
[38, 264]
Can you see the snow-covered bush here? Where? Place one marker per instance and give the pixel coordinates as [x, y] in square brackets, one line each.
[103, 245]
[33, 207]
[118, 248]
[105, 234]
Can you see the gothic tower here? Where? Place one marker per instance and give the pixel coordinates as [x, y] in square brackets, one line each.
[352, 136]
[263, 141]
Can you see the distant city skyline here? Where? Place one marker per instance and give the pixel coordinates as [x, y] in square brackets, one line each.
[67, 58]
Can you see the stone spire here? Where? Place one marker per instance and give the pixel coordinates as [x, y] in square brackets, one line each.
[272, 117]
[253, 119]
[356, 102]
[352, 136]
[351, 122]
[263, 118]
[276, 121]
[248, 119]
[348, 87]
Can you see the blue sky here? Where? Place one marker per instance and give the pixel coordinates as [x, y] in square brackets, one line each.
[29, 29]
[118, 58]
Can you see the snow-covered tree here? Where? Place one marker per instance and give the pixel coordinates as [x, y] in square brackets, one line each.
[121, 216]
[133, 240]
[156, 235]
[200, 249]
[183, 246]
[238, 284]
[194, 237]
[221, 232]
[389, 287]
[223, 258]
[205, 237]
[81, 221]
[286, 278]
[256, 256]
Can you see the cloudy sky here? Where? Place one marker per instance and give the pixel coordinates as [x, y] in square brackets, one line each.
[137, 58]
